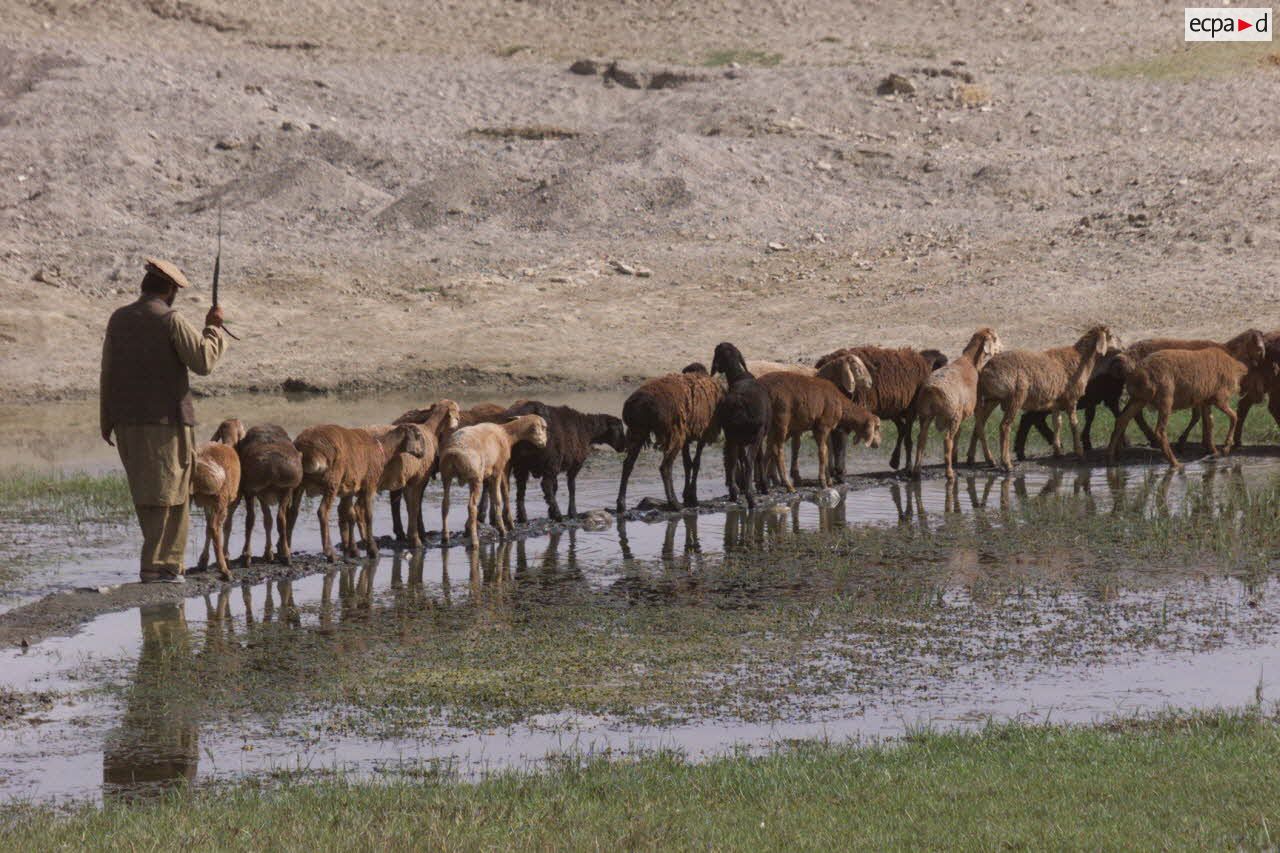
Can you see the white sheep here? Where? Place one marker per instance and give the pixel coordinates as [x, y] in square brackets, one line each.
[480, 456]
[950, 395]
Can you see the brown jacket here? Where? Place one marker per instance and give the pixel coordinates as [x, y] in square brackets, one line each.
[148, 350]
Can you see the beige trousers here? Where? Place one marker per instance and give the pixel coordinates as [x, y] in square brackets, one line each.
[158, 460]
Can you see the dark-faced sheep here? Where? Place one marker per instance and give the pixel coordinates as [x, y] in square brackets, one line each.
[271, 470]
[674, 411]
[950, 395]
[743, 415]
[1050, 380]
[1105, 388]
[1201, 379]
[346, 465]
[570, 436]
[800, 404]
[215, 488]
[896, 377]
[479, 456]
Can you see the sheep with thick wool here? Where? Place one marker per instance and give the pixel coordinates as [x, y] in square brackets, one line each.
[950, 395]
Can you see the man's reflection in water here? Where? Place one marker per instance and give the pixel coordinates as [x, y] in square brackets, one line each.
[157, 744]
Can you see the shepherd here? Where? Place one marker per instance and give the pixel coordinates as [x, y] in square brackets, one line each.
[146, 403]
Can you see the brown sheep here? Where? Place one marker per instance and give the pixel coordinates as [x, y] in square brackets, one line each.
[271, 470]
[346, 464]
[215, 488]
[480, 457]
[443, 421]
[1261, 382]
[1169, 379]
[812, 403]
[950, 395]
[675, 410]
[896, 377]
[1051, 380]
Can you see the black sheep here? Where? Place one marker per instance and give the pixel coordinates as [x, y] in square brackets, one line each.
[570, 435]
[743, 415]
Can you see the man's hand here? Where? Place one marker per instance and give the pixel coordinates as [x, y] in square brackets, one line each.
[106, 436]
[214, 317]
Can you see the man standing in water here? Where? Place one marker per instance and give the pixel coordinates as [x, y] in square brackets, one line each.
[146, 402]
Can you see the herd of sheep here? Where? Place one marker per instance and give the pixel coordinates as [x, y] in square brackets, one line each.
[758, 407]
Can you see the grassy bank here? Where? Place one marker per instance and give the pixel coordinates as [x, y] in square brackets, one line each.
[1182, 783]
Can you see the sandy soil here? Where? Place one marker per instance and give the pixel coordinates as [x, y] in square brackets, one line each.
[384, 227]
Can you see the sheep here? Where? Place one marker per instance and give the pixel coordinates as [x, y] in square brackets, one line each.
[850, 375]
[801, 403]
[1051, 380]
[271, 470]
[950, 394]
[442, 421]
[347, 464]
[480, 413]
[1262, 380]
[478, 456]
[215, 488]
[570, 436]
[676, 410]
[743, 415]
[1105, 388]
[896, 377]
[1169, 379]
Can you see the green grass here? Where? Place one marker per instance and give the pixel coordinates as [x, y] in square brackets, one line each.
[1186, 783]
[64, 497]
[1197, 61]
[763, 58]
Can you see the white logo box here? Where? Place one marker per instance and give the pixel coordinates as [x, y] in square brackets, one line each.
[1227, 23]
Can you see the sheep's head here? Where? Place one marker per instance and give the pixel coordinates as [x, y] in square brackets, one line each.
[449, 416]
[728, 360]
[1248, 347]
[984, 345]
[695, 367]
[1098, 341]
[868, 431]
[848, 373]
[613, 433]
[936, 358]
[229, 432]
[404, 438]
[535, 431]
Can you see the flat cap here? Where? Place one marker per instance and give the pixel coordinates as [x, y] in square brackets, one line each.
[167, 270]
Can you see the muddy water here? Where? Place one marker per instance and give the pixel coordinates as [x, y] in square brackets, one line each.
[102, 744]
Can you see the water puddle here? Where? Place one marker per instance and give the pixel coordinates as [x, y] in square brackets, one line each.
[950, 637]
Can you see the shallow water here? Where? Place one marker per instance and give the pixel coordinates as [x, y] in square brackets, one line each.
[122, 743]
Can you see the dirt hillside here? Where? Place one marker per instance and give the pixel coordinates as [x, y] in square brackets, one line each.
[415, 190]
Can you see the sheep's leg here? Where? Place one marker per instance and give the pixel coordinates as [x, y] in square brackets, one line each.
[761, 468]
[949, 450]
[690, 494]
[1057, 435]
[1028, 420]
[246, 554]
[779, 462]
[668, 459]
[1186, 433]
[822, 437]
[550, 485]
[921, 441]
[326, 544]
[295, 504]
[444, 511]
[397, 529]
[748, 457]
[1152, 438]
[1011, 408]
[1122, 423]
[795, 459]
[730, 466]
[504, 494]
[1162, 434]
[228, 519]
[203, 562]
[1076, 445]
[1086, 433]
[1233, 427]
[366, 521]
[282, 540]
[633, 451]
[980, 416]
[473, 514]
[219, 543]
[345, 534]
[522, 484]
[838, 444]
[1204, 414]
[1243, 406]
[413, 510]
[266, 525]
[571, 479]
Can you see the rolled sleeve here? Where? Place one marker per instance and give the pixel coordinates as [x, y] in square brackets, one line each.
[199, 351]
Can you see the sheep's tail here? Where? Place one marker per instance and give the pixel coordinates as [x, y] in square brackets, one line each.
[207, 477]
[313, 463]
